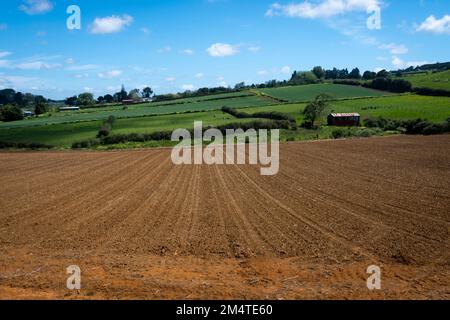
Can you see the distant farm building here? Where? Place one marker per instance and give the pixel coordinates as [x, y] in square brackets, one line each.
[27, 113]
[69, 108]
[128, 102]
[344, 119]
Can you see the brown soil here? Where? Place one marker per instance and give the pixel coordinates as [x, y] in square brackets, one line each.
[140, 227]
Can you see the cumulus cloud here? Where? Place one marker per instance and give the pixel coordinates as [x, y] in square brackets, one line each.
[322, 9]
[4, 54]
[33, 7]
[199, 75]
[188, 52]
[222, 50]
[254, 49]
[400, 64]
[188, 87]
[171, 79]
[111, 24]
[394, 48]
[84, 67]
[110, 74]
[286, 70]
[166, 49]
[436, 26]
[37, 65]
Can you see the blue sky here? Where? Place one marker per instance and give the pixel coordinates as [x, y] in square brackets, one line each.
[177, 45]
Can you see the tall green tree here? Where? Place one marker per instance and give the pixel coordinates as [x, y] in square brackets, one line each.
[10, 113]
[355, 74]
[147, 93]
[86, 99]
[40, 108]
[316, 108]
[319, 72]
[134, 94]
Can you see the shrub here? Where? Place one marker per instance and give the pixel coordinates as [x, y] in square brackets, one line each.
[348, 82]
[338, 133]
[10, 113]
[417, 126]
[24, 145]
[386, 84]
[432, 92]
[263, 115]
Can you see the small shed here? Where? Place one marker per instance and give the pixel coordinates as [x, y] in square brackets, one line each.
[344, 119]
[27, 113]
[128, 102]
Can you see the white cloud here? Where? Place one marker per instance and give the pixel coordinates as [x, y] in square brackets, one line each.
[400, 64]
[145, 30]
[37, 65]
[188, 87]
[16, 81]
[166, 49]
[4, 54]
[222, 50]
[113, 88]
[222, 84]
[378, 69]
[84, 67]
[286, 70]
[88, 89]
[110, 74]
[110, 24]
[394, 48]
[437, 26]
[5, 63]
[82, 75]
[262, 72]
[70, 61]
[199, 75]
[188, 52]
[254, 49]
[322, 9]
[171, 79]
[33, 7]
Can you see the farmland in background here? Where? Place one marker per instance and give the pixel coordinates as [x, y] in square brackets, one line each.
[434, 109]
[138, 111]
[438, 80]
[309, 92]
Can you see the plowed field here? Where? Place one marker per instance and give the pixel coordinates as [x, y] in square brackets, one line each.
[140, 227]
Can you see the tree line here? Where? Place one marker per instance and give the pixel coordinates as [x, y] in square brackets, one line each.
[12, 103]
[86, 99]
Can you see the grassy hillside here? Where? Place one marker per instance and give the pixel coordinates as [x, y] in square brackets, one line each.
[439, 80]
[309, 92]
[138, 111]
[435, 109]
[63, 135]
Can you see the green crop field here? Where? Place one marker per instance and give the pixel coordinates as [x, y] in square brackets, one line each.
[63, 135]
[63, 128]
[203, 98]
[137, 111]
[435, 109]
[309, 92]
[439, 80]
